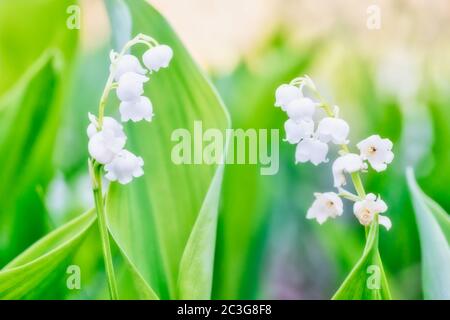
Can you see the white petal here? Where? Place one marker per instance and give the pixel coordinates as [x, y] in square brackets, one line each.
[385, 222]
[333, 129]
[347, 163]
[326, 205]
[131, 86]
[128, 63]
[377, 151]
[285, 94]
[124, 167]
[158, 57]
[301, 109]
[297, 131]
[136, 110]
[311, 150]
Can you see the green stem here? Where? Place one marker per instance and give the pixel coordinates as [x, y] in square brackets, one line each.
[104, 234]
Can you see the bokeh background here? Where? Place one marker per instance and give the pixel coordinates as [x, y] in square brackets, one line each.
[392, 81]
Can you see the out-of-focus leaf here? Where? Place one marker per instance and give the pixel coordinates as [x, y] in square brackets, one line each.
[44, 263]
[26, 31]
[434, 229]
[29, 116]
[166, 220]
[367, 280]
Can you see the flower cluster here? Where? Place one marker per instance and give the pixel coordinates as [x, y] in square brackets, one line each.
[106, 136]
[313, 145]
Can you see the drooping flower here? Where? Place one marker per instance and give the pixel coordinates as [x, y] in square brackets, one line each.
[108, 123]
[377, 151]
[366, 209]
[136, 110]
[310, 149]
[127, 63]
[285, 94]
[326, 205]
[347, 163]
[131, 86]
[157, 57]
[333, 129]
[301, 109]
[124, 167]
[297, 131]
[104, 145]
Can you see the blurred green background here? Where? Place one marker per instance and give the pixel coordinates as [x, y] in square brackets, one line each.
[392, 81]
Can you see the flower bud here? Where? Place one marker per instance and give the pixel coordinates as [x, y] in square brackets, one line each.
[334, 130]
[285, 94]
[127, 63]
[301, 109]
[157, 57]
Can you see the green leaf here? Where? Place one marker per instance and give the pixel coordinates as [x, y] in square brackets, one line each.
[36, 269]
[29, 115]
[367, 280]
[434, 230]
[166, 220]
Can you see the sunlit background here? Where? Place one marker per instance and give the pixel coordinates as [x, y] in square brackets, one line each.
[391, 81]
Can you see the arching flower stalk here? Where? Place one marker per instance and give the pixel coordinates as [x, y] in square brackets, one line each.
[312, 145]
[106, 136]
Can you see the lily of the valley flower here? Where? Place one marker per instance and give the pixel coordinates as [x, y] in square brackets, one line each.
[326, 205]
[104, 145]
[285, 94]
[365, 210]
[131, 86]
[128, 63]
[311, 149]
[300, 109]
[347, 163]
[298, 131]
[377, 151]
[136, 110]
[157, 57]
[124, 167]
[333, 129]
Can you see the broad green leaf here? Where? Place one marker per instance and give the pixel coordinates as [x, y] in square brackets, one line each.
[45, 262]
[165, 222]
[434, 230]
[35, 61]
[27, 29]
[367, 280]
[29, 115]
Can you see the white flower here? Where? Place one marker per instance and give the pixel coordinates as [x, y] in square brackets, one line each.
[313, 150]
[301, 109]
[377, 151]
[285, 94]
[333, 129]
[128, 63]
[131, 86]
[347, 163]
[157, 57]
[326, 205]
[108, 123]
[297, 131]
[136, 110]
[104, 145]
[124, 167]
[366, 209]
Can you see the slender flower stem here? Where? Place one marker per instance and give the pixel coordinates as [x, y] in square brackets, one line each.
[104, 234]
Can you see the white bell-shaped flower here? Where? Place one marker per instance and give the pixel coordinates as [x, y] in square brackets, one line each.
[326, 205]
[104, 145]
[108, 123]
[127, 63]
[347, 163]
[377, 151]
[301, 109]
[136, 110]
[157, 57]
[366, 209]
[333, 129]
[313, 150]
[131, 86]
[124, 167]
[298, 131]
[285, 94]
